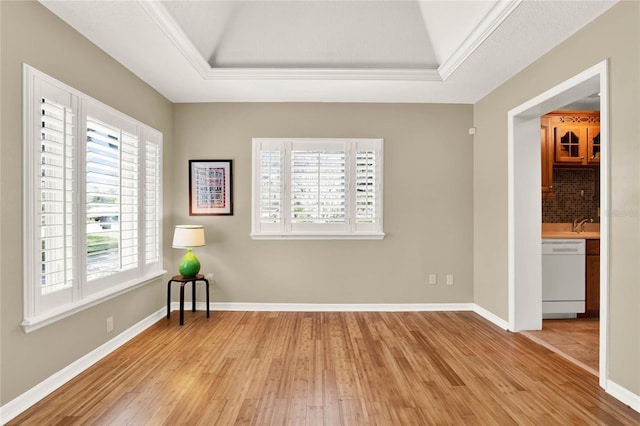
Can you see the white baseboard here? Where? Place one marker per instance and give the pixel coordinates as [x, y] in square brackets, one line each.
[21, 403]
[328, 307]
[348, 307]
[623, 395]
[491, 317]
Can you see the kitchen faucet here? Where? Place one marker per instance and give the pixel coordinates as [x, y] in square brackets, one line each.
[579, 223]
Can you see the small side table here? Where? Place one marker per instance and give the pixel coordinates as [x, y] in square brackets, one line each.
[183, 281]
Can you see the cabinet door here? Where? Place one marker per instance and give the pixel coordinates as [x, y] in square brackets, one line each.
[547, 159]
[568, 141]
[592, 295]
[592, 279]
[593, 144]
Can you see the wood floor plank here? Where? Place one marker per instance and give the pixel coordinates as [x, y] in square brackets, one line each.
[329, 368]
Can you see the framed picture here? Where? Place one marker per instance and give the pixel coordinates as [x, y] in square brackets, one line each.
[210, 188]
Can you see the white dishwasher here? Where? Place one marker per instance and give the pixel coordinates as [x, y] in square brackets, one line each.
[563, 277]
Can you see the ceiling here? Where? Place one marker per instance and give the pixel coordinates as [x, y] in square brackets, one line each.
[326, 51]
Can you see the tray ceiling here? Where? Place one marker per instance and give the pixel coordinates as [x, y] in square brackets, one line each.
[344, 51]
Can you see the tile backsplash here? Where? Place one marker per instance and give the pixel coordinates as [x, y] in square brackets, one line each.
[575, 196]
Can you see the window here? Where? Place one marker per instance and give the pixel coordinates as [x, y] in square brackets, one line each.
[92, 192]
[317, 188]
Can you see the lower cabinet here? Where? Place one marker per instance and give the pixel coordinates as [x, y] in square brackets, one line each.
[592, 279]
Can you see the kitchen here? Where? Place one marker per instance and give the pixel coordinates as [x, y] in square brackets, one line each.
[570, 161]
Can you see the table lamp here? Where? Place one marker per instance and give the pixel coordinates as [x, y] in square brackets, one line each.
[188, 236]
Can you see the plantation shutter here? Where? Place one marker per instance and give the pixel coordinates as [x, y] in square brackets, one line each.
[317, 188]
[318, 183]
[152, 207]
[367, 185]
[268, 184]
[92, 225]
[57, 178]
[129, 199]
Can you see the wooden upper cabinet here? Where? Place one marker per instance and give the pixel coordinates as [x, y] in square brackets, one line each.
[593, 144]
[569, 143]
[547, 158]
[575, 136]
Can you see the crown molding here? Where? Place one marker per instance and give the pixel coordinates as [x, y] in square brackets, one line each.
[174, 32]
[480, 33]
[321, 74]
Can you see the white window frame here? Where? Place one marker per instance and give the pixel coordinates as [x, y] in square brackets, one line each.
[284, 227]
[77, 292]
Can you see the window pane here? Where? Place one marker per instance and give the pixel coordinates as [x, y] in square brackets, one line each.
[112, 200]
[317, 186]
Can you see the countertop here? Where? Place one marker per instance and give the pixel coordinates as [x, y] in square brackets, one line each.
[563, 231]
[572, 235]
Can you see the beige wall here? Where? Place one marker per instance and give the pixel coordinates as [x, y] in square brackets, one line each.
[427, 206]
[615, 35]
[445, 201]
[428, 199]
[31, 34]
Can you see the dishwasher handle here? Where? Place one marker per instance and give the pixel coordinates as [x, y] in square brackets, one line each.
[565, 250]
[564, 247]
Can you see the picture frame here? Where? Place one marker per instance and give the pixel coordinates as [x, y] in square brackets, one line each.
[210, 187]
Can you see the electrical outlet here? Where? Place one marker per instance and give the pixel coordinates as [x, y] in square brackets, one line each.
[109, 324]
[432, 279]
[449, 279]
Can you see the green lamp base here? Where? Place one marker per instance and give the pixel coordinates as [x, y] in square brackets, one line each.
[189, 264]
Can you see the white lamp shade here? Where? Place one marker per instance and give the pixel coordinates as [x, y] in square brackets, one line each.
[187, 236]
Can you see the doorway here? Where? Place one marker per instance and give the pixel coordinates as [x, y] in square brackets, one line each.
[524, 213]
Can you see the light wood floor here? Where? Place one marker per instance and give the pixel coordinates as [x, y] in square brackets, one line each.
[575, 339]
[333, 369]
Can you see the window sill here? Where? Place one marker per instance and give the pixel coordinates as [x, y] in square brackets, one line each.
[311, 236]
[39, 321]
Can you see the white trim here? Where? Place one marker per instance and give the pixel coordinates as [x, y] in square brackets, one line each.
[492, 20]
[64, 311]
[174, 32]
[30, 72]
[347, 307]
[623, 394]
[486, 27]
[605, 214]
[328, 307]
[322, 74]
[308, 236]
[489, 316]
[593, 79]
[343, 307]
[22, 402]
